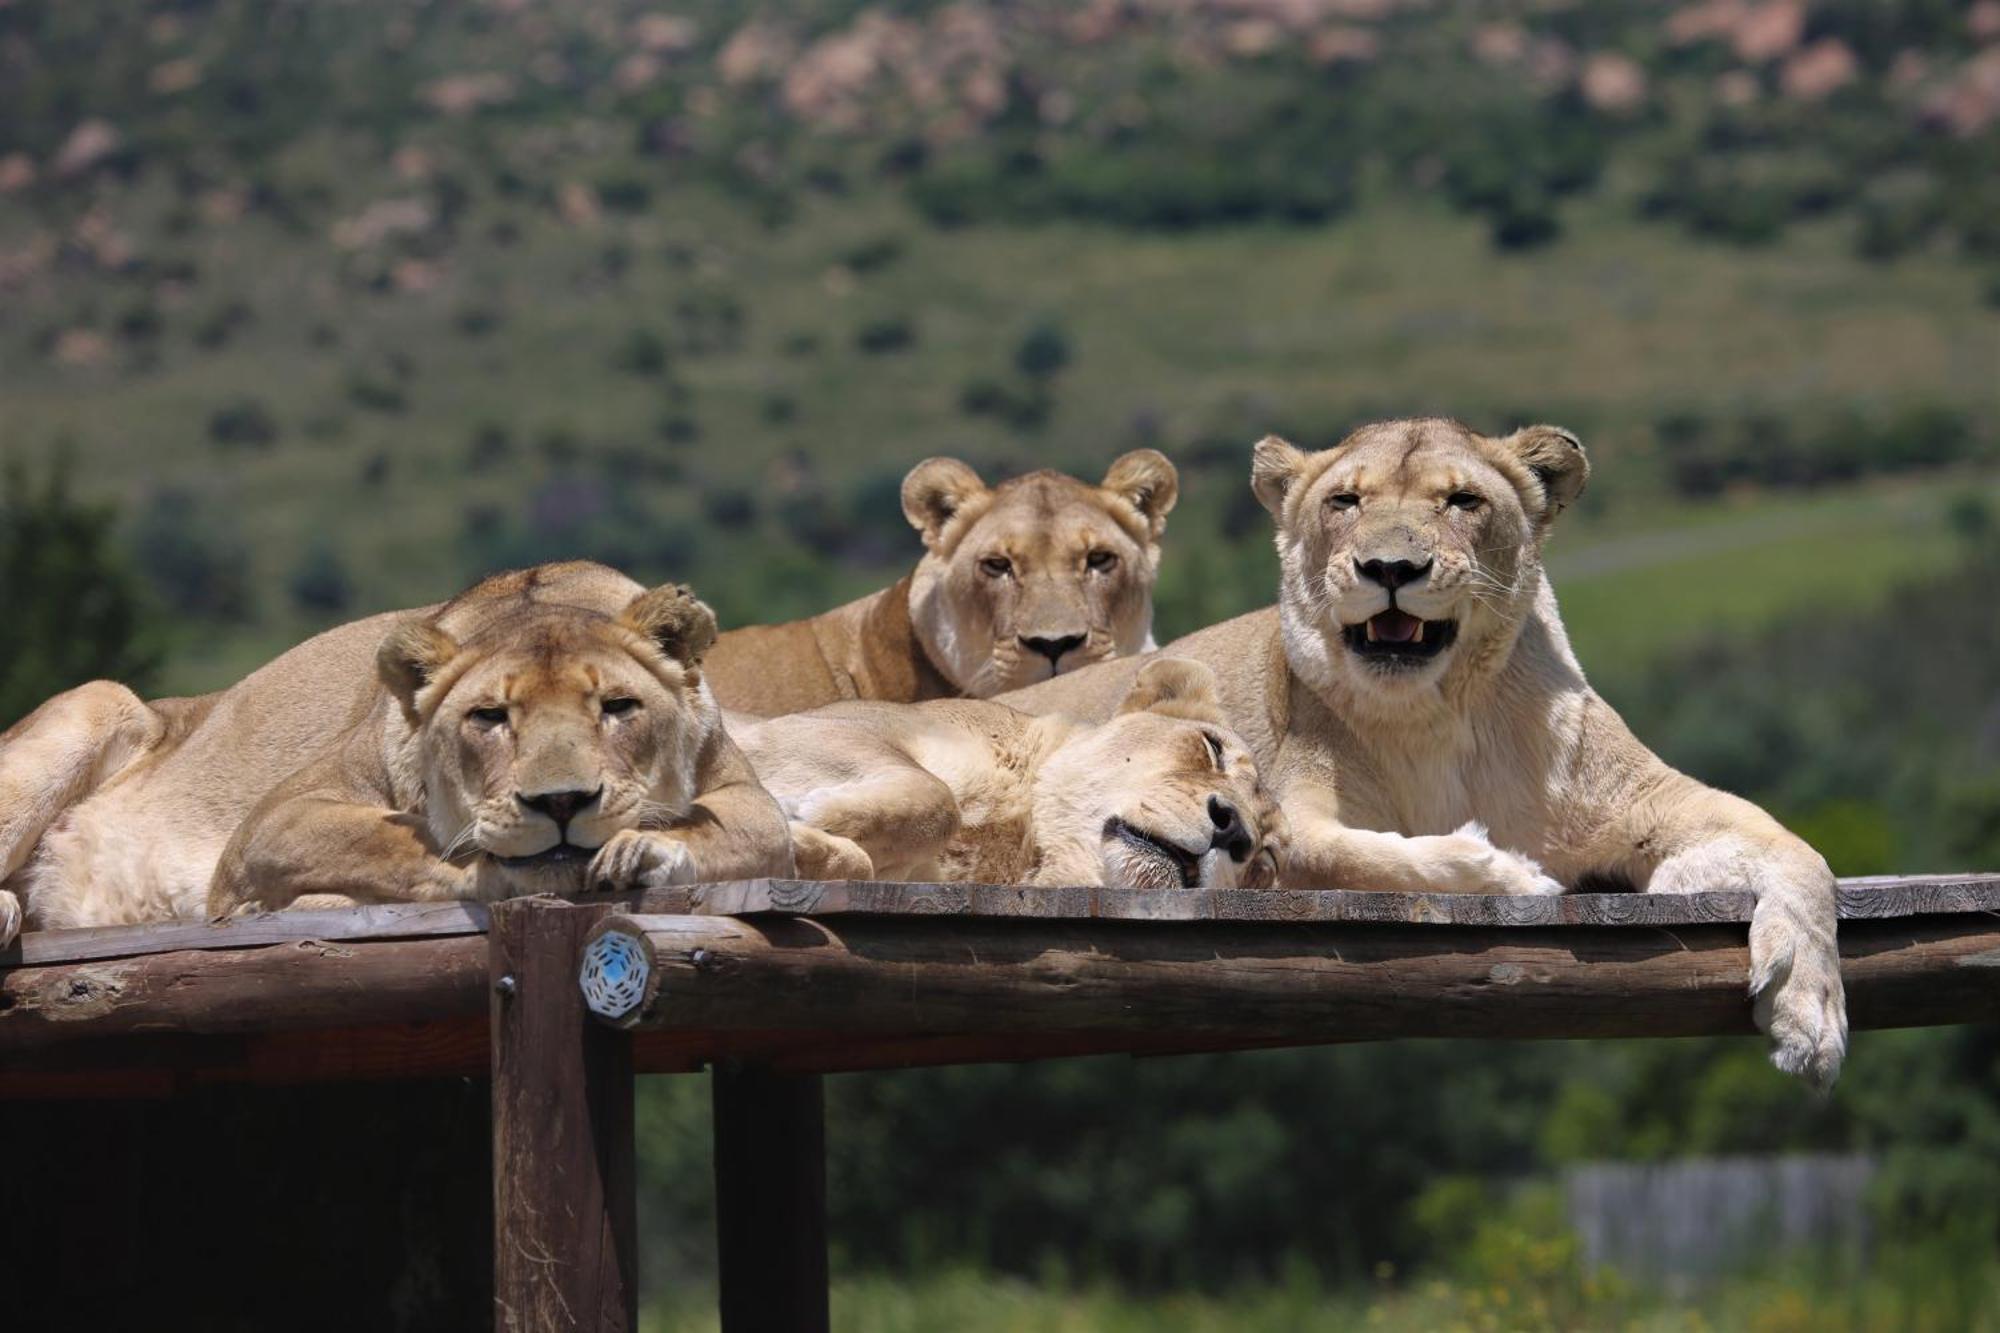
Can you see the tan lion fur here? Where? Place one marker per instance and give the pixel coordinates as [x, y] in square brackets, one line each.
[1080, 561]
[970, 790]
[1417, 778]
[348, 764]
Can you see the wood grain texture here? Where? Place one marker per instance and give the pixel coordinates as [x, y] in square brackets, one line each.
[277, 987]
[565, 1207]
[312, 996]
[389, 921]
[1868, 899]
[1255, 983]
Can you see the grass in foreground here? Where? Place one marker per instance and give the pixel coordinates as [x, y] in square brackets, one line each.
[1909, 1294]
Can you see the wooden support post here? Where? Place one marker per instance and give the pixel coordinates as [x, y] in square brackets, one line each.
[565, 1204]
[770, 1199]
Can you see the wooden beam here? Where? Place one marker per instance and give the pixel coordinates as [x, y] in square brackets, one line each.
[565, 1210]
[382, 921]
[770, 1199]
[275, 987]
[1241, 983]
[1882, 896]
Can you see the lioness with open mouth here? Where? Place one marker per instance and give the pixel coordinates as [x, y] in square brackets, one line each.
[1160, 796]
[546, 731]
[1413, 689]
[1018, 582]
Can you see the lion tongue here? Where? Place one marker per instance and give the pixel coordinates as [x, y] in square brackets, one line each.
[1395, 627]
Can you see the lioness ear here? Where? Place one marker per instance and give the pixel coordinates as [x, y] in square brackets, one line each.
[1556, 459]
[411, 656]
[1149, 482]
[936, 489]
[673, 618]
[1274, 466]
[1175, 687]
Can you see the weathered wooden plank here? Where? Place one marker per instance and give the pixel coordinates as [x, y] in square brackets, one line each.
[1306, 983]
[383, 921]
[1871, 898]
[1920, 895]
[770, 1199]
[565, 1207]
[277, 987]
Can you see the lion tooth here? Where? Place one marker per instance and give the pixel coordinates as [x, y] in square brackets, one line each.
[1371, 629]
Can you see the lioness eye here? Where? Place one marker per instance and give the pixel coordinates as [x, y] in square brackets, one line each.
[1214, 747]
[1102, 561]
[1463, 500]
[997, 566]
[620, 707]
[490, 716]
[1343, 500]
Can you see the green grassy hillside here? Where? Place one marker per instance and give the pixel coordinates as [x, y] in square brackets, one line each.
[346, 305]
[419, 451]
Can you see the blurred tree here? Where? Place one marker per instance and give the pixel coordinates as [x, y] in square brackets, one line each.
[70, 607]
[1043, 352]
[319, 583]
[193, 557]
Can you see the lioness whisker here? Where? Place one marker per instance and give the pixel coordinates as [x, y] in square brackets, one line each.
[460, 842]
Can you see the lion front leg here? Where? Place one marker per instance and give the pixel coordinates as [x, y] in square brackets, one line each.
[1321, 852]
[1697, 838]
[823, 855]
[733, 829]
[307, 846]
[642, 859]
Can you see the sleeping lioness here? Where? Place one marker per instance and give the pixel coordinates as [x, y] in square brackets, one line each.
[543, 730]
[1018, 582]
[1160, 796]
[1414, 676]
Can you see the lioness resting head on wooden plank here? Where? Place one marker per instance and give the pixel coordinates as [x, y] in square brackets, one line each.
[1415, 676]
[1018, 582]
[1162, 795]
[546, 729]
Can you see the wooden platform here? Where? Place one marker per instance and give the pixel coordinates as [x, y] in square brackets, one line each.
[124, 1050]
[803, 975]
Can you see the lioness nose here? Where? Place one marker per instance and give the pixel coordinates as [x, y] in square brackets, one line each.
[1391, 574]
[561, 806]
[1230, 835]
[1053, 649]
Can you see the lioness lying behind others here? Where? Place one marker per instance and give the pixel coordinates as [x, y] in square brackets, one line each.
[1018, 582]
[1161, 795]
[545, 731]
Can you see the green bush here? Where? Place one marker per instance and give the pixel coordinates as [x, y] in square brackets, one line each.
[890, 333]
[1043, 351]
[193, 557]
[319, 582]
[246, 423]
[641, 352]
[74, 607]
